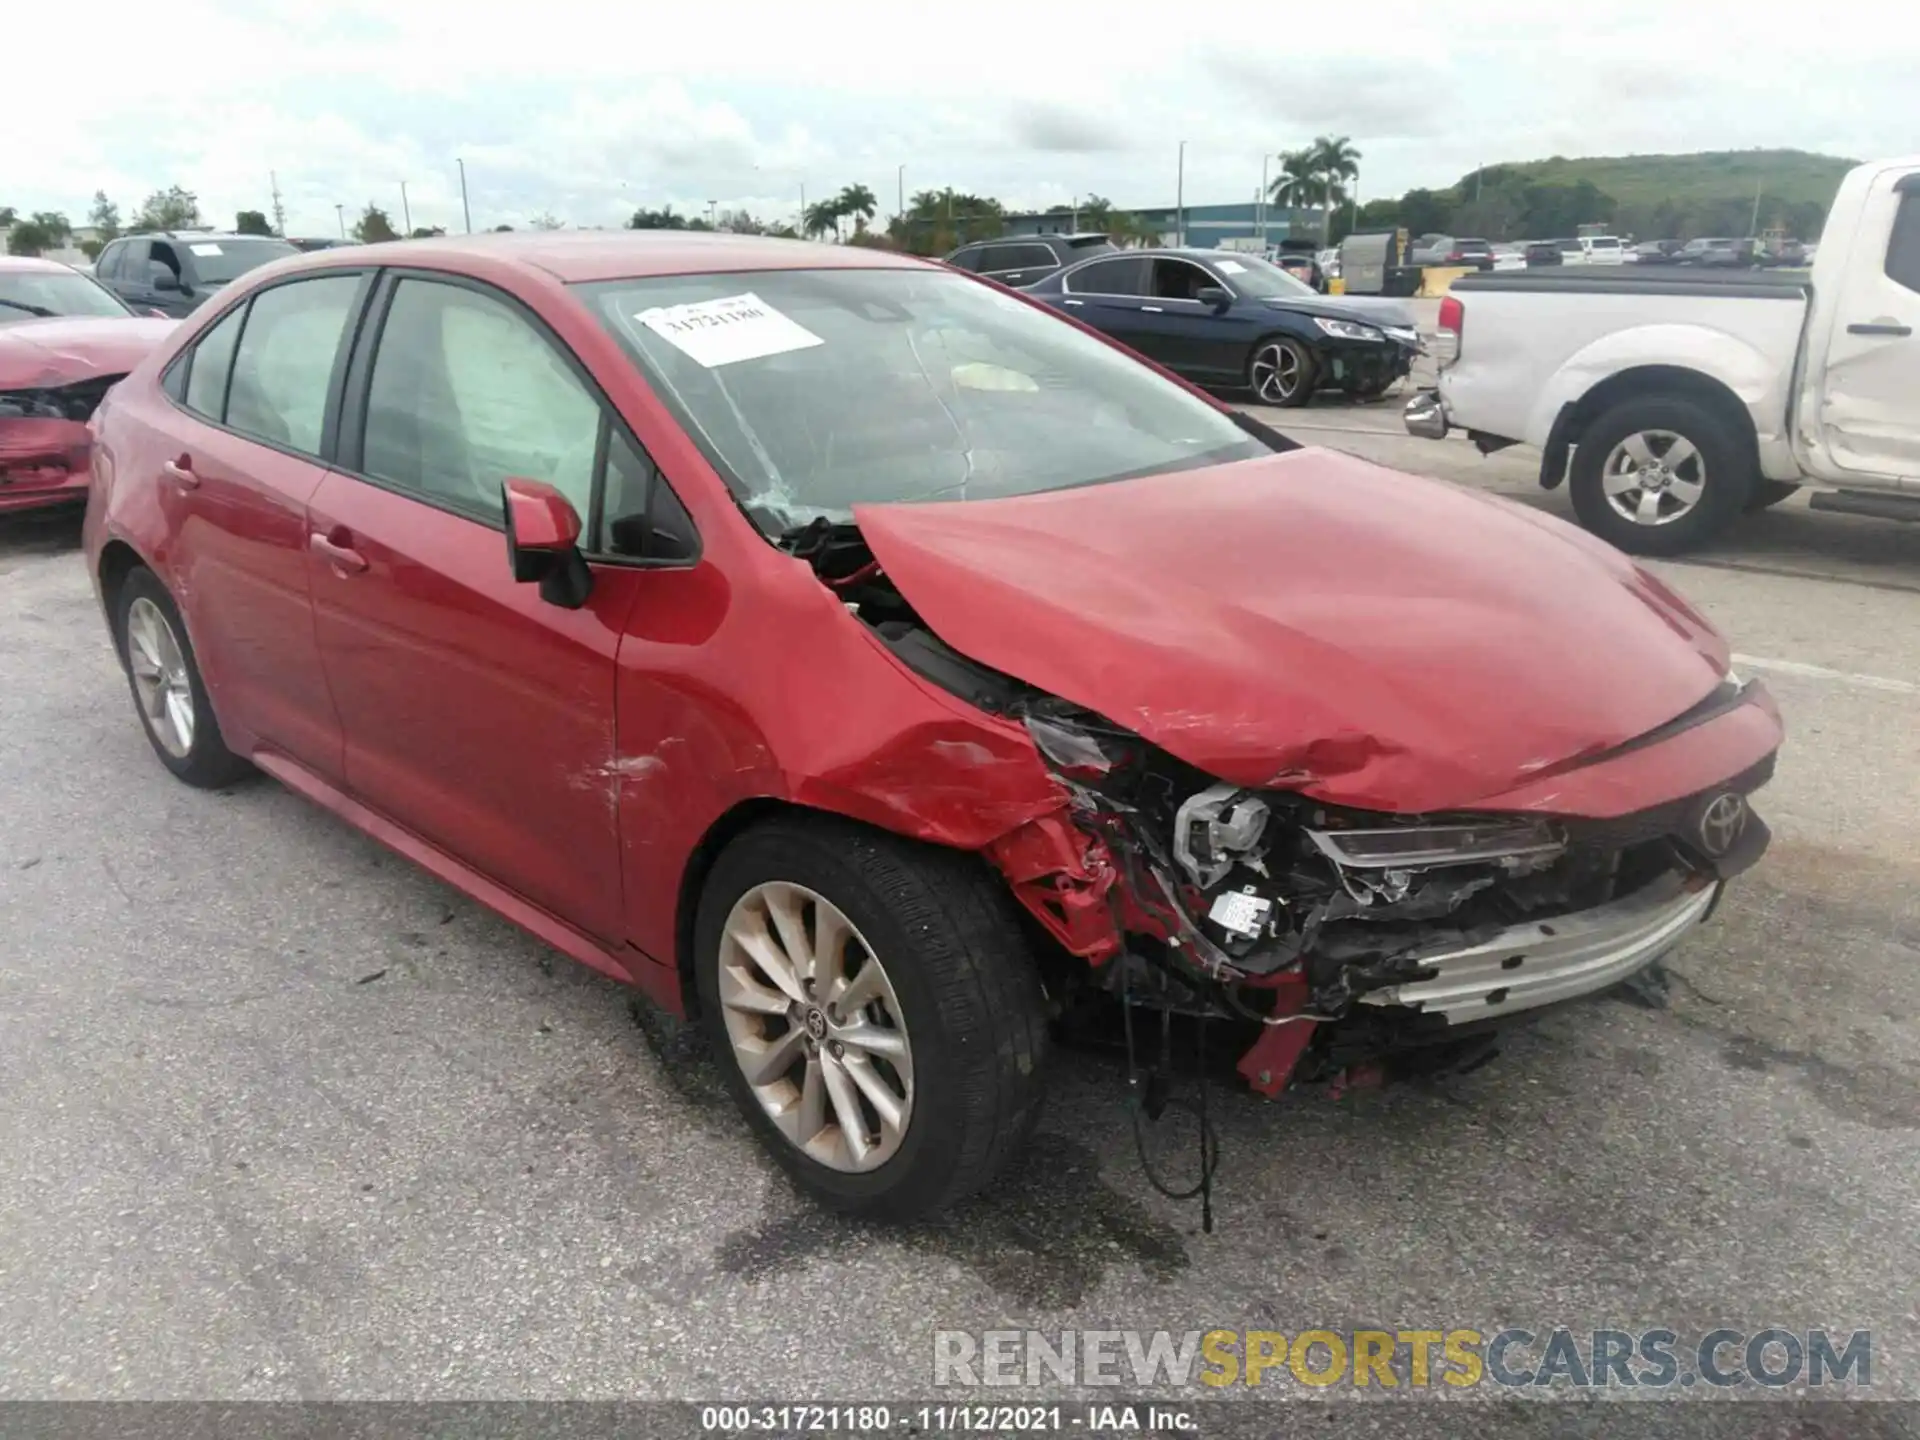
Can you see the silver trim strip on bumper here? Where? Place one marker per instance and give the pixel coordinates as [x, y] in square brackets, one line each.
[1541, 962]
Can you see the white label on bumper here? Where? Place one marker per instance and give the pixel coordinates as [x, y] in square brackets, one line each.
[1240, 912]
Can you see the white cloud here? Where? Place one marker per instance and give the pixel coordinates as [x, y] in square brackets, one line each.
[589, 110]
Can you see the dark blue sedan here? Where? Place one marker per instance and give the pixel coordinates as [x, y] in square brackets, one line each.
[1226, 319]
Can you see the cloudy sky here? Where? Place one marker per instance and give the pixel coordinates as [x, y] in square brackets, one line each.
[587, 108]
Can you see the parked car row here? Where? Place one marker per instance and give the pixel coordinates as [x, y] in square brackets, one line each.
[1111, 695]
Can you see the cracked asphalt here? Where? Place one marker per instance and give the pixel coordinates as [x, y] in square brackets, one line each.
[281, 1117]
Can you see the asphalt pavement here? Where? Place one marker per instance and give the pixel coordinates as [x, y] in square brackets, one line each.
[283, 1118]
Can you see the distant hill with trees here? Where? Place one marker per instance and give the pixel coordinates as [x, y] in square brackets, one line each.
[1652, 197]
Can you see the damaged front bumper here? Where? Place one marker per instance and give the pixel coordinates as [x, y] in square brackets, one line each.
[1541, 963]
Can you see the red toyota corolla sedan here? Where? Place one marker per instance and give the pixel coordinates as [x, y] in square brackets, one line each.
[885, 669]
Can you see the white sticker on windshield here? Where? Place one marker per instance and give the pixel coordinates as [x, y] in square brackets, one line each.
[204, 249]
[1230, 267]
[721, 332]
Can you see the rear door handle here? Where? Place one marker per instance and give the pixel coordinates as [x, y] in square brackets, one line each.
[1877, 329]
[181, 472]
[337, 553]
[1075, 302]
[1153, 309]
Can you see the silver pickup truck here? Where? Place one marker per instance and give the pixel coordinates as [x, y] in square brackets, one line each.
[1671, 400]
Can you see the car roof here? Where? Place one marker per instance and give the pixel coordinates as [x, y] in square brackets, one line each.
[573, 256]
[34, 263]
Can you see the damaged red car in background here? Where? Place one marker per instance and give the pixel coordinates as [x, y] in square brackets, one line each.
[889, 671]
[64, 338]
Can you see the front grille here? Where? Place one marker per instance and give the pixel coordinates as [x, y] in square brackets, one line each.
[1626, 831]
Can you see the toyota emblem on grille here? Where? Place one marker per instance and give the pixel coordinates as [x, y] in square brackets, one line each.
[1721, 823]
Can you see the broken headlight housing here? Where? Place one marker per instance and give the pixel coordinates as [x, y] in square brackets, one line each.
[1512, 844]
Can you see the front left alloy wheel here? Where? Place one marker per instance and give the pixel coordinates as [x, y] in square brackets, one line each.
[875, 1010]
[168, 692]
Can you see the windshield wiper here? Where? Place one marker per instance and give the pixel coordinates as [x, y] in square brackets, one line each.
[37, 310]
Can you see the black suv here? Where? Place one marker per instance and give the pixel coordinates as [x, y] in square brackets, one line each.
[1021, 260]
[174, 272]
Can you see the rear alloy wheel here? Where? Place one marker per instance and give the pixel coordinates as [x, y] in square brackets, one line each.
[875, 1010]
[1660, 475]
[167, 688]
[1282, 372]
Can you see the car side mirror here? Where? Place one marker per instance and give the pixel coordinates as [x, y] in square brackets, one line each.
[543, 542]
[1215, 297]
[164, 279]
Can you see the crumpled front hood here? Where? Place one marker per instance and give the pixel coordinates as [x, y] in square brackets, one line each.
[1311, 621]
[42, 354]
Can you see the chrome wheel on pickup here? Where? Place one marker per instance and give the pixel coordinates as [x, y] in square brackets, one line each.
[1660, 474]
[1654, 477]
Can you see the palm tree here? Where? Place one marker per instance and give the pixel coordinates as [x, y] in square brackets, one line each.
[1300, 185]
[819, 218]
[1338, 162]
[855, 200]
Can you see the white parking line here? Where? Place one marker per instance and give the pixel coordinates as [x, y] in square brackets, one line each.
[1821, 672]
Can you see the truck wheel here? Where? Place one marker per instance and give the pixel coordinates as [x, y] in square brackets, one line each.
[875, 1009]
[1282, 372]
[1769, 493]
[1659, 475]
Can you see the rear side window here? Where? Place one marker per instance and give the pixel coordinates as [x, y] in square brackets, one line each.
[966, 259]
[284, 363]
[105, 267]
[209, 366]
[1903, 247]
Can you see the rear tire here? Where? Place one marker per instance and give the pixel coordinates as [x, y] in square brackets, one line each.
[1769, 493]
[1659, 475]
[959, 1007]
[168, 693]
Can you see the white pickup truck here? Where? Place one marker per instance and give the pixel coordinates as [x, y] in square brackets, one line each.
[1672, 400]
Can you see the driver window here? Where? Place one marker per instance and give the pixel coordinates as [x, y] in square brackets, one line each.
[1179, 280]
[162, 254]
[465, 393]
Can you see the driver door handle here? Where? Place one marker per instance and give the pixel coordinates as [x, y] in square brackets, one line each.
[1879, 329]
[181, 472]
[1153, 309]
[337, 553]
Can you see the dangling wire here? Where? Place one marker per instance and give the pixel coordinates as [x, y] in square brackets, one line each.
[1209, 1142]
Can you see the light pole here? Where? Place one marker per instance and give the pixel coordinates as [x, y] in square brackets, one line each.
[466, 211]
[406, 214]
[900, 181]
[712, 211]
[340, 213]
[1180, 199]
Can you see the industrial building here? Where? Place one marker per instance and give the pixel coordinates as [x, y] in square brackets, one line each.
[1209, 227]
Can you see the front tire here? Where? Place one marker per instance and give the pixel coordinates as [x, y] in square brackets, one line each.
[168, 692]
[1282, 371]
[876, 1011]
[1659, 475]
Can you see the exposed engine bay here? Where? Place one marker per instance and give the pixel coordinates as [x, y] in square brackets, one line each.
[1350, 946]
[43, 435]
